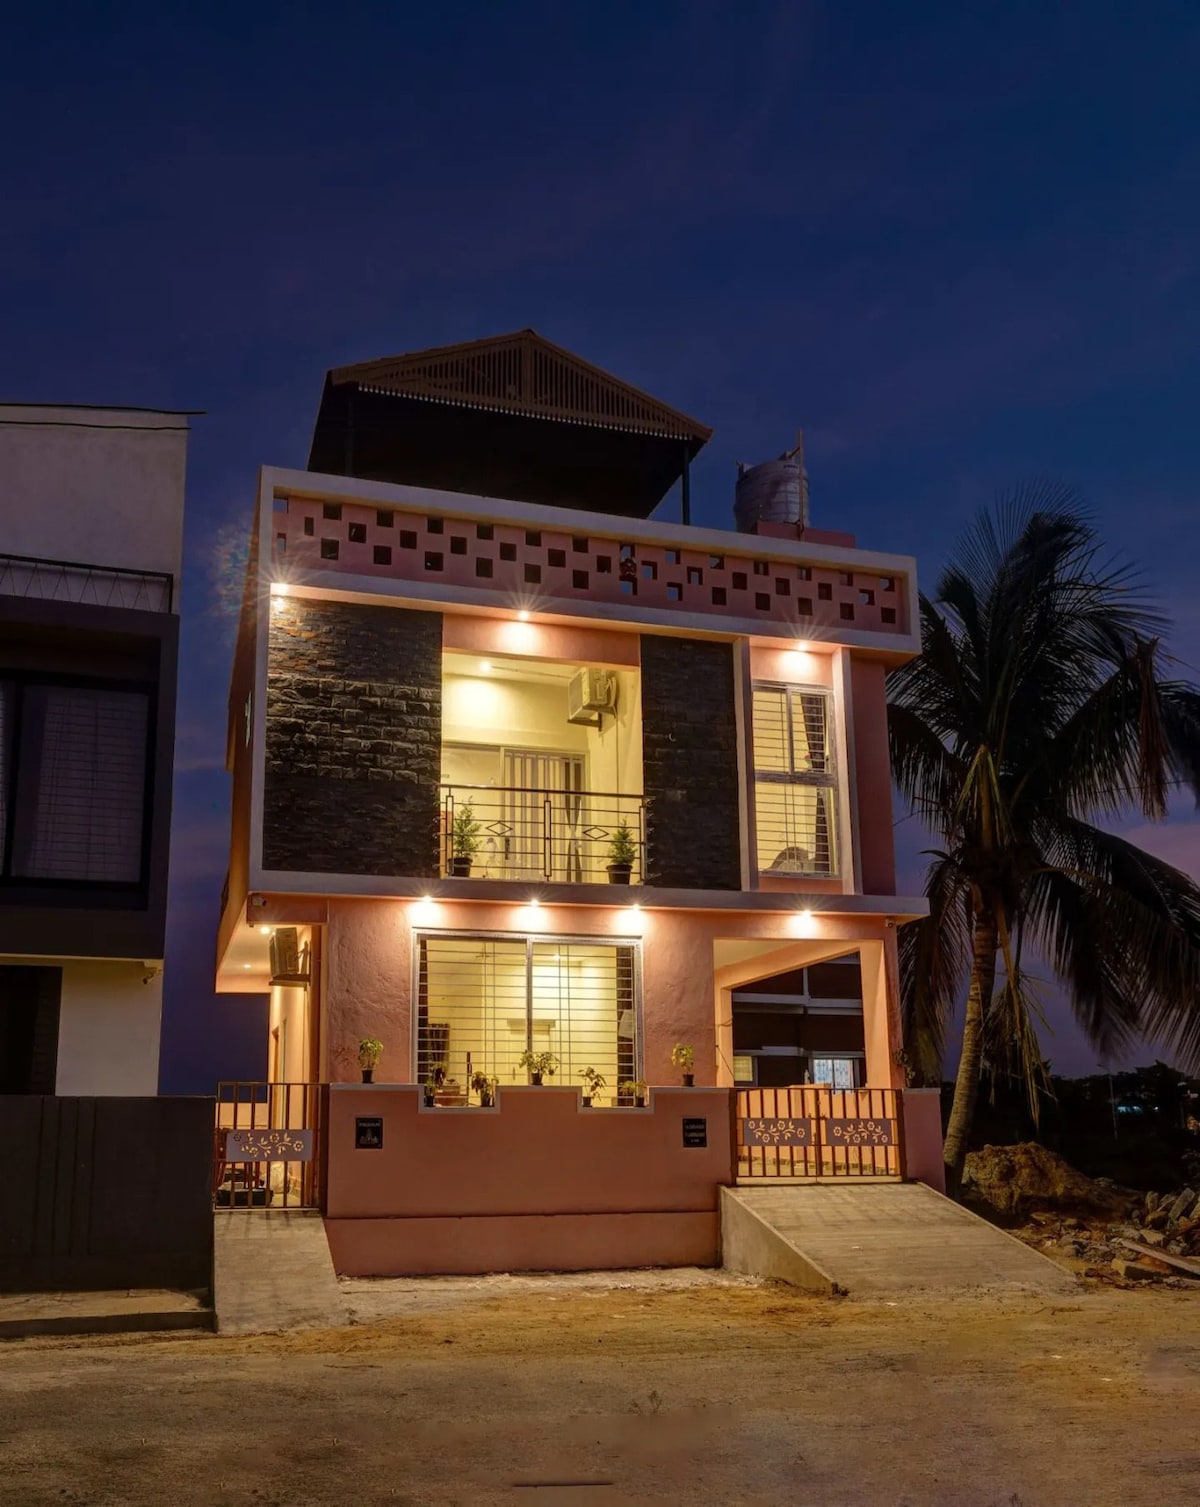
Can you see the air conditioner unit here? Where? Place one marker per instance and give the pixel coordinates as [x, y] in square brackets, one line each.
[289, 960]
[589, 693]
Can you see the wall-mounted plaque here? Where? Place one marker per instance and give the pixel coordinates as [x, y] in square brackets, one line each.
[777, 1132]
[695, 1132]
[368, 1133]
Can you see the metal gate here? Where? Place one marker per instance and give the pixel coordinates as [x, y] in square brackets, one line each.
[267, 1145]
[814, 1132]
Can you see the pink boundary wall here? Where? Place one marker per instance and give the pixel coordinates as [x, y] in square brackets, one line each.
[536, 1184]
[922, 1111]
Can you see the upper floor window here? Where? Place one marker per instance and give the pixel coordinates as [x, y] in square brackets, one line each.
[73, 766]
[794, 781]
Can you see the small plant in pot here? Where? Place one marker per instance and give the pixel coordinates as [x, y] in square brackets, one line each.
[369, 1053]
[635, 1089]
[434, 1082]
[593, 1082]
[485, 1087]
[464, 841]
[540, 1065]
[684, 1058]
[622, 850]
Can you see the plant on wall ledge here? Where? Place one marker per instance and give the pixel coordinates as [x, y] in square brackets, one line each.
[539, 1064]
[464, 840]
[485, 1087]
[635, 1089]
[593, 1082]
[622, 851]
[684, 1058]
[369, 1053]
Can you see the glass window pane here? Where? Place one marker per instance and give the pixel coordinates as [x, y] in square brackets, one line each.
[83, 784]
[794, 828]
[772, 752]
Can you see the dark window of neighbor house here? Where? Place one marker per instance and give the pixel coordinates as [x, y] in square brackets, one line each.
[74, 760]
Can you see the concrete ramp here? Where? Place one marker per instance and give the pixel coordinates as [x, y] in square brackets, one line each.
[877, 1240]
[272, 1271]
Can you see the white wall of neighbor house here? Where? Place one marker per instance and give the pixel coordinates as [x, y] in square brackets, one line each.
[109, 1026]
[102, 486]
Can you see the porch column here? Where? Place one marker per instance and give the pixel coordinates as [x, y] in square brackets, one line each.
[881, 1010]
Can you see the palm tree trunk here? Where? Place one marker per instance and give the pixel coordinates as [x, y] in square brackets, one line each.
[966, 1085]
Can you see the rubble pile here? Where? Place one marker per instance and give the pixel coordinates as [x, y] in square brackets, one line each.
[1108, 1232]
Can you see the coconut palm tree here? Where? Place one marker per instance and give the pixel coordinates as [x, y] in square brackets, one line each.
[1040, 708]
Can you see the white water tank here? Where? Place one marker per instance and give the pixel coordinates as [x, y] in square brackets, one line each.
[774, 491]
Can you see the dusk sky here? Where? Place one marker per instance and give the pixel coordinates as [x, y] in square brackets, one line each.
[958, 245]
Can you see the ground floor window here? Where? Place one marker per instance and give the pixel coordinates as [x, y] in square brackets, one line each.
[483, 1001]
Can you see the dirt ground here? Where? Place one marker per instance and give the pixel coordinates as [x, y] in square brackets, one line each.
[696, 1389]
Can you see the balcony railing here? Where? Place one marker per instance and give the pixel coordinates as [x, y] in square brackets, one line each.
[521, 832]
[90, 585]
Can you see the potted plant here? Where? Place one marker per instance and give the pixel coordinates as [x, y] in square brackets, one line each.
[622, 850]
[430, 1092]
[485, 1087]
[635, 1089]
[464, 841]
[369, 1053]
[684, 1058]
[593, 1082]
[540, 1064]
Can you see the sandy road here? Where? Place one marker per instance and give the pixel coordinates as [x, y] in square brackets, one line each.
[554, 1392]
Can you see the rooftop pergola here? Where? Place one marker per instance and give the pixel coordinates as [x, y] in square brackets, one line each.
[513, 416]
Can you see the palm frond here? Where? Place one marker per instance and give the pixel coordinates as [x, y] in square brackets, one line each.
[934, 957]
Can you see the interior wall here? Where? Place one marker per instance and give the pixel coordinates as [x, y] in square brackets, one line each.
[514, 713]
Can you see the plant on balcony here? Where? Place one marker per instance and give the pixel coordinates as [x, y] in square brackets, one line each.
[485, 1087]
[622, 850]
[369, 1053]
[593, 1082]
[684, 1058]
[433, 1082]
[635, 1089]
[464, 840]
[540, 1065]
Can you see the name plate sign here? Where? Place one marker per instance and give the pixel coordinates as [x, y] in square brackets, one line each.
[695, 1132]
[776, 1132]
[268, 1146]
[859, 1132]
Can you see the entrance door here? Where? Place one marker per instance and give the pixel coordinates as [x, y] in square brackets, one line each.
[29, 1004]
[543, 810]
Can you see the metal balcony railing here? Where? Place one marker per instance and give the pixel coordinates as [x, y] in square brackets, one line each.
[520, 832]
[90, 585]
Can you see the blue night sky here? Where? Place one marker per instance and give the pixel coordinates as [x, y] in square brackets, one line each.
[959, 245]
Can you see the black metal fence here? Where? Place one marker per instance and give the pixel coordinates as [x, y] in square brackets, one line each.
[105, 1193]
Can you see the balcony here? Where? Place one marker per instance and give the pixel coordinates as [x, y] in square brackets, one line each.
[525, 832]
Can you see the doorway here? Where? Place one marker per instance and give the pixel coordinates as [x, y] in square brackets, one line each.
[29, 1009]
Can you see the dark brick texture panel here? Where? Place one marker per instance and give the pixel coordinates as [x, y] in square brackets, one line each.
[689, 764]
[354, 739]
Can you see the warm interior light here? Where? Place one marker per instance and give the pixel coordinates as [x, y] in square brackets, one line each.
[266, 930]
[534, 904]
[278, 589]
[485, 666]
[245, 965]
[522, 616]
[635, 909]
[800, 647]
[806, 915]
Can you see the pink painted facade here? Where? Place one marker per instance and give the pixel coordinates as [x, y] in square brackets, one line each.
[526, 596]
[535, 1183]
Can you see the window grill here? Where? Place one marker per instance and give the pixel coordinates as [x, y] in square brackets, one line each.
[483, 1002]
[794, 781]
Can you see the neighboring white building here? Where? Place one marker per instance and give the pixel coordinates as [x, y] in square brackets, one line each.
[91, 540]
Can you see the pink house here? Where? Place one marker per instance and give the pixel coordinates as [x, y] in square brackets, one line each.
[523, 777]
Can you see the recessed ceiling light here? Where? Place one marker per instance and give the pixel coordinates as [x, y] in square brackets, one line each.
[485, 665]
[245, 965]
[522, 616]
[266, 930]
